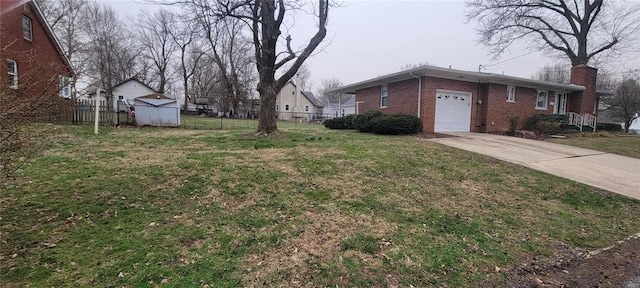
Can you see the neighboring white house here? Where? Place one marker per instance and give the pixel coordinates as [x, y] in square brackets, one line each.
[157, 110]
[334, 109]
[127, 91]
[293, 104]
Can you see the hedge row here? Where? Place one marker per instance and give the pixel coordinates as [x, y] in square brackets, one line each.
[378, 123]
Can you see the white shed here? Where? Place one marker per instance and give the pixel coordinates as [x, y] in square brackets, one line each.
[157, 110]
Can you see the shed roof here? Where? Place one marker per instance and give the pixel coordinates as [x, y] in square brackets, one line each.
[454, 74]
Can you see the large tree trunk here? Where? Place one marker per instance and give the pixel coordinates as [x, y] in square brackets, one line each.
[267, 119]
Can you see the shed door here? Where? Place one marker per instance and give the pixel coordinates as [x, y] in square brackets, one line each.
[453, 111]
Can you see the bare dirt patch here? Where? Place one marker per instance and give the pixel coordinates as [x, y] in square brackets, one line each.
[614, 266]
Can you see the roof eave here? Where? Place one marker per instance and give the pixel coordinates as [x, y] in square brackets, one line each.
[453, 74]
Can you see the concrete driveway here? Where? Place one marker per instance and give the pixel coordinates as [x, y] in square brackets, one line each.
[614, 173]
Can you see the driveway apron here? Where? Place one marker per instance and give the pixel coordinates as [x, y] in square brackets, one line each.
[614, 173]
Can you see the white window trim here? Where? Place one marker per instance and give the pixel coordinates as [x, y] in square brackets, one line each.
[384, 94]
[286, 107]
[511, 97]
[13, 74]
[546, 100]
[306, 108]
[277, 106]
[30, 38]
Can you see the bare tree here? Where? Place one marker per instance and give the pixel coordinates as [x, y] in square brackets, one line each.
[110, 50]
[304, 77]
[185, 37]
[155, 36]
[558, 73]
[265, 19]
[65, 18]
[325, 95]
[625, 105]
[579, 29]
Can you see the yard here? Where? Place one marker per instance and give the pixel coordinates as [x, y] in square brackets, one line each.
[312, 207]
[625, 145]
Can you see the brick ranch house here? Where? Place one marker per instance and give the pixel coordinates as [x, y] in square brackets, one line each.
[34, 62]
[450, 100]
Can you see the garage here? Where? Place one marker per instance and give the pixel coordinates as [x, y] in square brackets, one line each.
[453, 111]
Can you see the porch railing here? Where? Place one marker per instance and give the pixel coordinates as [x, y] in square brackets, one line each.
[581, 121]
[589, 121]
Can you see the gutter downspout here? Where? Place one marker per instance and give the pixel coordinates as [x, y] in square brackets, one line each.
[419, 91]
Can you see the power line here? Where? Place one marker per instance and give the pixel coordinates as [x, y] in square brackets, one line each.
[510, 59]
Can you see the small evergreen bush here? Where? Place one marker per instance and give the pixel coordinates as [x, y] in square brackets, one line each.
[345, 122]
[361, 121]
[396, 124]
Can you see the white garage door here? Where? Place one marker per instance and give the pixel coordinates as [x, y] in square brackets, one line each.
[453, 111]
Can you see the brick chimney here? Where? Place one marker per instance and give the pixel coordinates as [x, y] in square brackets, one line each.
[585, 101]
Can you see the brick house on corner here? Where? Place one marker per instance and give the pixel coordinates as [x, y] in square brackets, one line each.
[34, 61]
[449, 100]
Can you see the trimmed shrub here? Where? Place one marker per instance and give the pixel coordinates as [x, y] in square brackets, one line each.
[345, 122]
[546, 123]
[547, 127]
[361, 121]
[348, 121]
[609, 127]
[513, 125]
[396, 124]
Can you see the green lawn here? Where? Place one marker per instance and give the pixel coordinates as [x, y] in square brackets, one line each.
[312, 207]
[605, 142]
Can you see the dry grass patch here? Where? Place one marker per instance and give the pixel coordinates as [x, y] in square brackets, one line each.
[320, 239]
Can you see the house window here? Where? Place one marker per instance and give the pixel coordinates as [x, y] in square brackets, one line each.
[286, 107]
[511, 93]
[64, 86]
[306, 108]
[12, 66]
[120, 97]
[383, 96]
[542, 100]
[26, 28]
[277, 107]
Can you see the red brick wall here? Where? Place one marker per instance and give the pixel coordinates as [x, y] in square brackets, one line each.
[491, 115]
[583, 102]
[39, 63]
[499, 110]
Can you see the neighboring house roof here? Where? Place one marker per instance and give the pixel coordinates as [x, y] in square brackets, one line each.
[460, 75]
[45, 25]
[134, 78]
[154, 96]
[311, 98]
[155, 102]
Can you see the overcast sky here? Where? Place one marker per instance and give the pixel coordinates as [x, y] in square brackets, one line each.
[371, 38]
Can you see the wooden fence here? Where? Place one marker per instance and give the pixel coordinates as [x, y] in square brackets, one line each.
[82, 111]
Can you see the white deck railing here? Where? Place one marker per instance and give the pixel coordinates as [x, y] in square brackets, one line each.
[589, 120]
[582, 120]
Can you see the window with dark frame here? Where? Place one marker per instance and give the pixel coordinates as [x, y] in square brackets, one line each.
[27, 32]
[384, 94]
[511, 93]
